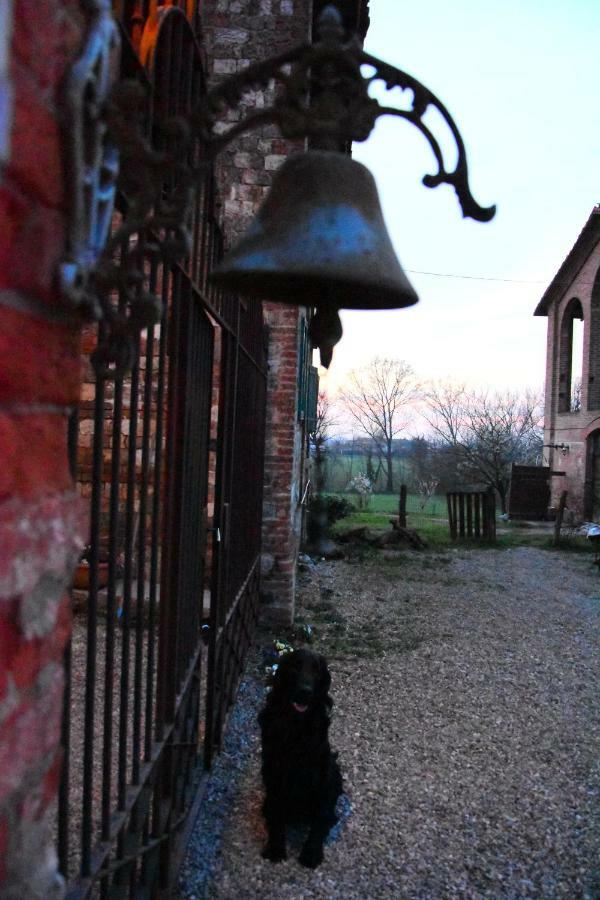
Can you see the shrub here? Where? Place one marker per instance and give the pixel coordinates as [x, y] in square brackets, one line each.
[334, 507]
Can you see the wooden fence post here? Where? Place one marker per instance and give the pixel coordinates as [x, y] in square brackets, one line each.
[461, 514]
[470, 516]
[485, 522]
[489, 505]
[477, 514]
[451, 516]
[402, 507]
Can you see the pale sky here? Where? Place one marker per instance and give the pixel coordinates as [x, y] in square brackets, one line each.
[521, 79]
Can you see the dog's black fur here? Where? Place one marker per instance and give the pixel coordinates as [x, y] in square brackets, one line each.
[300, 773]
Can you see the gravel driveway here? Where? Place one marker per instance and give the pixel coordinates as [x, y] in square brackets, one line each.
[467, 720]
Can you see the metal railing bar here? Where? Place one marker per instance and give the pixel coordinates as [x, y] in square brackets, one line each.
[111, 608]
[202, 390]
[188, 481]
[165, 691]
[127, 582]
[196, 227]
[91, 649]
[204, 245]
[141, 547]
[180, 486]
[156, 514]
[182, 515]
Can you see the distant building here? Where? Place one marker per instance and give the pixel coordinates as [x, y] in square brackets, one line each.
[572, 405]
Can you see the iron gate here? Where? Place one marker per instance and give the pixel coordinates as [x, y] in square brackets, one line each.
[171, 458]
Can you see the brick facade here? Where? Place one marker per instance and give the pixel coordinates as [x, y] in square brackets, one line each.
[237, 33]
[568, 433]
[42, 522]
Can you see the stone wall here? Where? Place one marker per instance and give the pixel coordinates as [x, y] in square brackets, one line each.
[237, 33]
[42, 522]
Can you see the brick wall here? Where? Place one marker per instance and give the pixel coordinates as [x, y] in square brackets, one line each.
[561, 425]
[594, 346]
[42, 523]
[238, 32]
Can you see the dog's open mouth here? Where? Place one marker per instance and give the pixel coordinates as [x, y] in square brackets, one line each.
[300, 707]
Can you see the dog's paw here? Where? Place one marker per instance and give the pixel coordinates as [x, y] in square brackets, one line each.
[311, 856]
[274, 853]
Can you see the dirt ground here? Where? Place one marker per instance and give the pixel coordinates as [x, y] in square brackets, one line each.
[467, 722]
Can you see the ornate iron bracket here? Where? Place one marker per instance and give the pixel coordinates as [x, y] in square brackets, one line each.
[324, 94]
[320, 92]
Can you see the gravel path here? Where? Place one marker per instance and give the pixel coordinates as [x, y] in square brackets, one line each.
[467, 721]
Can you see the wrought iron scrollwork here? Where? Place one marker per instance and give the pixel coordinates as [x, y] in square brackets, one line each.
[92, 160]
[107, 275]
[320, 91]
[157, 190]
[324, 94]
[422, 100]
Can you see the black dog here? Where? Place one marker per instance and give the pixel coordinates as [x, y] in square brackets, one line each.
[300, 773]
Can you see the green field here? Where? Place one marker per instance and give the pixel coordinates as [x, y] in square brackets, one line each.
[388, 503]
[432, 525]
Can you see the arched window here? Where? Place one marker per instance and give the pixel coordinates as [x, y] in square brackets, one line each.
[570, 357]
[594, 351]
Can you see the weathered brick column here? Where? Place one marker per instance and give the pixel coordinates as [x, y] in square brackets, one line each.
[237, 33]
[42, 525]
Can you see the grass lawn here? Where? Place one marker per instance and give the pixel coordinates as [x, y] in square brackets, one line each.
[432, 525]
[388, 503]
[437, 534]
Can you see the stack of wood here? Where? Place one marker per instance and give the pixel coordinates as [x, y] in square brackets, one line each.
[403, 535]
[362, 534]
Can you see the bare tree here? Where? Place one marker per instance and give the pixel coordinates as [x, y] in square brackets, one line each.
[575, 404]
[379, 398]
[319, 436]
[424, 462]
[486, 432]
[426, 488]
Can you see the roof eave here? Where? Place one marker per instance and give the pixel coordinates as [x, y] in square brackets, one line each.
[589, 236]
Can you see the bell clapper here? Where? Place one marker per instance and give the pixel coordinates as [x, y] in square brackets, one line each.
[325, 330]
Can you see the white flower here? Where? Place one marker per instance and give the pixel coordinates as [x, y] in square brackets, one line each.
[360, 484]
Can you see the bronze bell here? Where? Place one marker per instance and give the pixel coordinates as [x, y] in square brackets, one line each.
[319, 240]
